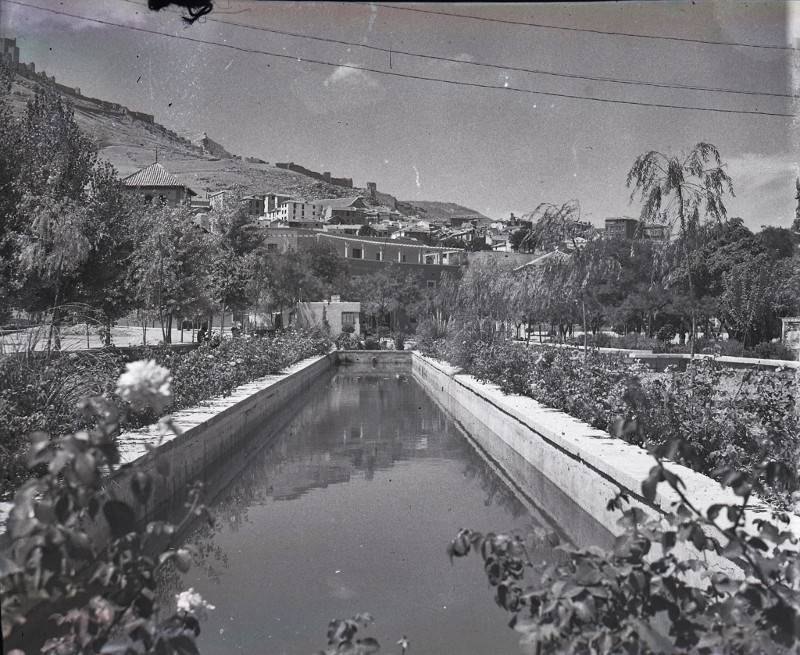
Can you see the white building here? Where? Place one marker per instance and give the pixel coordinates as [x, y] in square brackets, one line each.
[293, 211]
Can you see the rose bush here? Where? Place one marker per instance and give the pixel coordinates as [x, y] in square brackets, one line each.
[41, 393]
[729, 418]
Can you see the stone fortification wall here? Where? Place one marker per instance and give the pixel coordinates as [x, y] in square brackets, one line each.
[325, 177]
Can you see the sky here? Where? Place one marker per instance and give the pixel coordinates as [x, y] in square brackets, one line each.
[496, 141]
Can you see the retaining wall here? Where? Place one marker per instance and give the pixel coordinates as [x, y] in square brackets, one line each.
[210, 433]
[587, 466]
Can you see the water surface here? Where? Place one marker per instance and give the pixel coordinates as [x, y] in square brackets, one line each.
[348, 509]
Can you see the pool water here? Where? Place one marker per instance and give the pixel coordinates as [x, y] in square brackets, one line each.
[349, 508]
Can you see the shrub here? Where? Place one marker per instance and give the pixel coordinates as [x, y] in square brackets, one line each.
[637, 597]
[773, 350]
[730, 418]
[399, 339]
[39, 393]
[106, 588]
[666, 333]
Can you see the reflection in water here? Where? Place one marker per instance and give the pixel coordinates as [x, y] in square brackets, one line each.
[348, 508]
[363, 432]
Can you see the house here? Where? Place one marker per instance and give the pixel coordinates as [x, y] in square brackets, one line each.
[283, 238]
[631, 228]
[156, 183]
[274, 200]
[368, 254]
[296, 211]
[622, 227]
[217, 199]
[343, 229]
[340, 316]
[255, 204]
[344, 210]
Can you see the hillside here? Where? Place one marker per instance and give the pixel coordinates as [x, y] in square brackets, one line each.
[132, 140]
[445, 211]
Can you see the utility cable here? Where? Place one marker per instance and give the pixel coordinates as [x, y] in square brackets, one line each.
[536, 71]
[577, 29]
[406, 75]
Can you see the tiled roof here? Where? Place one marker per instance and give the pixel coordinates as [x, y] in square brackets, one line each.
[338, 203]
[154, 175]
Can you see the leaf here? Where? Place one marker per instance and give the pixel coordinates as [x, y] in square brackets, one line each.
[86, 469]
[650, 484]
[368, 645]
[714, 510]
[43, 510]
[183, 560]
[698, 537]
[8, 567]
[142, 486]
[120, 517]
[184, 645]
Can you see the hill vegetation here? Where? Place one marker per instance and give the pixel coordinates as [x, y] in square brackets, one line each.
[444, 211]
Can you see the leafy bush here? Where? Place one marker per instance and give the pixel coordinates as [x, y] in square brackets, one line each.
[39, 393]
[730, 418]
[399, 339]
[638, 597]
[666, 333]
[773, 350]
[106, 588]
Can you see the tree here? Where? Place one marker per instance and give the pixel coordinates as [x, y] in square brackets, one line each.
[521, 240]
[676, 191]
[102, 282]
[556, 226]
[385, 291]
[233, 240]
[169, 272]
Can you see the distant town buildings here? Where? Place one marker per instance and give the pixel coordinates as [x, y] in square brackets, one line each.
[632, 228]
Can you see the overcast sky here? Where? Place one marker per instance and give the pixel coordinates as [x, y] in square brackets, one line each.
[497, 150]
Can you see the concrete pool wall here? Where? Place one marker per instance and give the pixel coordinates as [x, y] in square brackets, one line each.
[587, 465]
[556, 460]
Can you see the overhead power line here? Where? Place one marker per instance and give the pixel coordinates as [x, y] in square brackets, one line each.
[424, 78]
[578, 29]
[536, 71]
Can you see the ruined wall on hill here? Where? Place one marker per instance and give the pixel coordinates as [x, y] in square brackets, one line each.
[325, 177]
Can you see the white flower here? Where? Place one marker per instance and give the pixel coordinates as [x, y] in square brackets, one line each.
[191, 602]
[146, 384]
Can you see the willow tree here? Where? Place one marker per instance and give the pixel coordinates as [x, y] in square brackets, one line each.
[682, 192]
[559, 227]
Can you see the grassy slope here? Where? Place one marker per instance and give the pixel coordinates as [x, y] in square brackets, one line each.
[130, 144]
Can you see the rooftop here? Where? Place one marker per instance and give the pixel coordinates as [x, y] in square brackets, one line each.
[154, 175]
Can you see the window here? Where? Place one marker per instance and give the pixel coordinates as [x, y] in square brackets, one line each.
[378, 256]
[402, 258]
[357, 253]
[431, 284]
[272, 246]
[349, 318]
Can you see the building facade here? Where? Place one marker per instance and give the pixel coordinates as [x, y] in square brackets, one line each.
[154, 183]
[296, 211]
[340, 316]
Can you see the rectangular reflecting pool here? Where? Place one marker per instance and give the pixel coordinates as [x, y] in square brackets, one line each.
[348, 506]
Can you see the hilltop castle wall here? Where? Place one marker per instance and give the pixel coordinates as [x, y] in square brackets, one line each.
[9, 54]
[325, 177]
